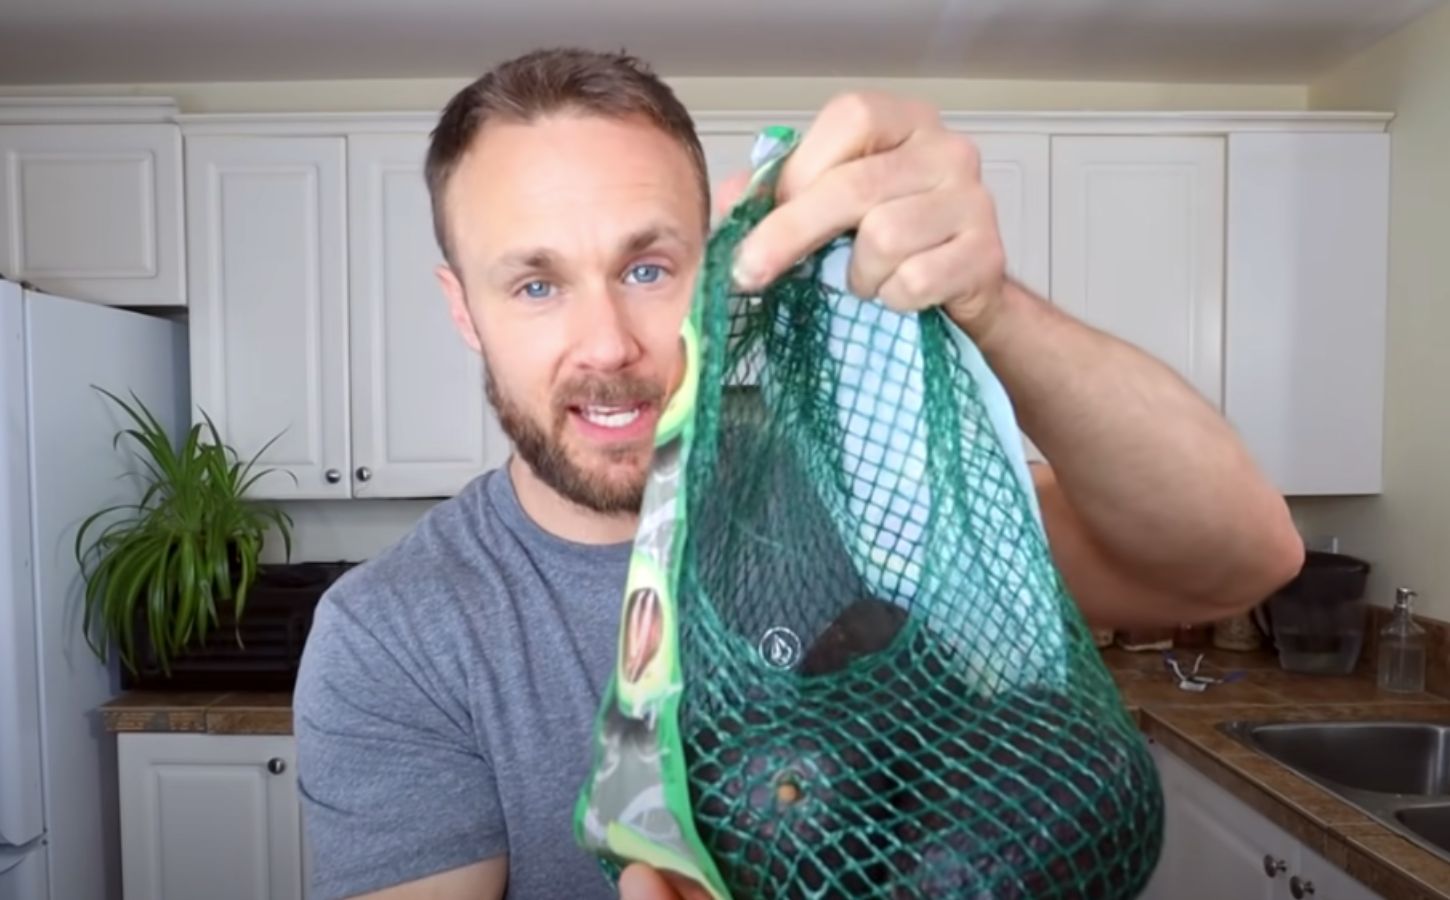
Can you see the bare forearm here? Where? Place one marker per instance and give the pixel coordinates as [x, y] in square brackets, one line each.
[1159, 480]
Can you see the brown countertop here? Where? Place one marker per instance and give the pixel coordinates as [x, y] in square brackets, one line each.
[203, 712]
[1183, 722]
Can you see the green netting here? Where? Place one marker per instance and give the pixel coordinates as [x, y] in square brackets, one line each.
[872, 681]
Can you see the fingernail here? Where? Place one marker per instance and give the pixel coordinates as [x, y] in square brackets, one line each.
[743, 274]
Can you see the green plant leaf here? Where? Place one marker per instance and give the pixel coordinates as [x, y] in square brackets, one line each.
[165, 560]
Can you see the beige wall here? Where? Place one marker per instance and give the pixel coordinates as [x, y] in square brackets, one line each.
[714, 93]
[1405, 532]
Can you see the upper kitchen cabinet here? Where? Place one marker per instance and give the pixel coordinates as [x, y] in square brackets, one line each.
[1137, 245]
[267, 232]
[420, 422]
[1307, 282]
[317, 317]
[94, 211]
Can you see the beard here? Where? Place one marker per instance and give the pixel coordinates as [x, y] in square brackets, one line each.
[543, 447]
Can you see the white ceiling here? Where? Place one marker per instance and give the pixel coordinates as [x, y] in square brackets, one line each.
[71, 41]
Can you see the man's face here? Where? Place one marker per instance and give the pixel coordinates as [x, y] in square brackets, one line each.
[576, 241]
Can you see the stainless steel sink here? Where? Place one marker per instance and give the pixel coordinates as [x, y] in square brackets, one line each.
[1396, 772]
[1385, 757]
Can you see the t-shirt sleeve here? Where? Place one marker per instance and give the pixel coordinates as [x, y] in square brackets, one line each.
[392, 783]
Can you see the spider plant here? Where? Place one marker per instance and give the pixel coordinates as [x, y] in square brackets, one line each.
[191, 542]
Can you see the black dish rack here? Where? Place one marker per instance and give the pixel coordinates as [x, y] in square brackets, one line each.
[274, 629]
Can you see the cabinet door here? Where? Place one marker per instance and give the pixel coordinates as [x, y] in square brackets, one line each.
[94, 211]
[267, 230]
[1137, 245]
[1328, 881]
[1308, 238]
[1215, 846]
[420, 424]
[1015, 171]
[209, 816]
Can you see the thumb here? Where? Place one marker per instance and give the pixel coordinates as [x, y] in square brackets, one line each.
[728, 192]
[640, 882]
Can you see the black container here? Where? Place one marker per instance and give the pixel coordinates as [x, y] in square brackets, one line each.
[274, 628]
[1318, 619]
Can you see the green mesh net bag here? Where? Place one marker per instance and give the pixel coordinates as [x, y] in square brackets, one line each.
[847, 665]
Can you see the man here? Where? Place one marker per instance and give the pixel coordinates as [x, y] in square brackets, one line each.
[450, 685]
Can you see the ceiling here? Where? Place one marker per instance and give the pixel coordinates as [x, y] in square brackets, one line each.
[94, 41]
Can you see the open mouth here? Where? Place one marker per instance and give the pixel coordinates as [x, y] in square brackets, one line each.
[615, 423]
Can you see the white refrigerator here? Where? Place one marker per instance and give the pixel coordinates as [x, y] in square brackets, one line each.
[59, 838]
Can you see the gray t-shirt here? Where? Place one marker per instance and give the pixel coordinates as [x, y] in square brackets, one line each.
[445, 706]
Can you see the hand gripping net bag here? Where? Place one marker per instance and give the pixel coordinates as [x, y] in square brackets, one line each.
[847, 665]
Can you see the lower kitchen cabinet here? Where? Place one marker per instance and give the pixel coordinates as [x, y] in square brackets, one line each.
[1217, 847]
[213, 816]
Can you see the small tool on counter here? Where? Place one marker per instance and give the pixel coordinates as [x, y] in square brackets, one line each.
[1191, 680]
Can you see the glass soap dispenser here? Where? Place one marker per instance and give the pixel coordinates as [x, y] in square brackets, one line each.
[1402, 649]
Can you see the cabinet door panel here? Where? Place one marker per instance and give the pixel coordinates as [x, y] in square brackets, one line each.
[267, 227]
[94, 212]
[1137, 245]
[209, 816]
[420, 424]
[1308, 263]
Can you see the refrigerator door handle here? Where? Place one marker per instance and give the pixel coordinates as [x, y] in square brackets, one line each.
[12, 856]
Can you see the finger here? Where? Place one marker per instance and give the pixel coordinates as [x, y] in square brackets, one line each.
[851, 126]
[728, 192]
[641, 882]
[963, 268]
[899, 229]
[836, 202]
[687, 889]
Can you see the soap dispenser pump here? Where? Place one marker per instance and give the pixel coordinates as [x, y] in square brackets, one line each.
[1402, 648]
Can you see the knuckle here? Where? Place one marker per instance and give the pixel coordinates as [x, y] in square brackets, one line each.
[915, 282]
[855, 108]
[963, 154]
[883, 235]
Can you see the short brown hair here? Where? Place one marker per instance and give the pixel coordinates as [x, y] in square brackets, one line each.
[613, 85]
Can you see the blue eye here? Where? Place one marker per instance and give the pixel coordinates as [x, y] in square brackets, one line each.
[646, 273]
[538, 290]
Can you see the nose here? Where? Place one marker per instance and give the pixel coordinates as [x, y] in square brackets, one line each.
[604, 339]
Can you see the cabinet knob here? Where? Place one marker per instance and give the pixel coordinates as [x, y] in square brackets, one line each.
[276, 765]
[364, 473]
[1301, 888]
[333, 476]
[1274, 867]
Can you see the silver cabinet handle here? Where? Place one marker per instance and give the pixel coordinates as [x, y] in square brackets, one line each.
[276, 765]
[333, 476]
[364, 473]
[1301, 888]
[1274, 867]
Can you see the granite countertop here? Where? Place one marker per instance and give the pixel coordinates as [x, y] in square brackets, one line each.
[1185, 723]
[201, 712]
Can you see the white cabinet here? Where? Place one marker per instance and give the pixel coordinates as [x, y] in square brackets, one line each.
[94, 211]
[1215, 847]
[209, 816]
[267, 227]
[1307, 283]
[420, 423]
[1137, 245]
[316, 316]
